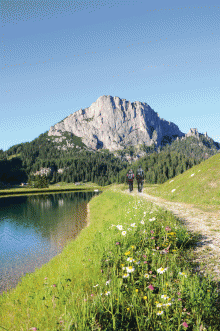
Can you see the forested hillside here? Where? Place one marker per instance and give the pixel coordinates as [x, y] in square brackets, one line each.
[78, 164]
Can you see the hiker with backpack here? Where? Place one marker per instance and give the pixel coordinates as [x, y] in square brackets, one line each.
[140, 178]
[130, 178]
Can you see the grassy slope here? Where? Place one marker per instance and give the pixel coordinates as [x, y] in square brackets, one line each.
[202, 189]
[67, 265]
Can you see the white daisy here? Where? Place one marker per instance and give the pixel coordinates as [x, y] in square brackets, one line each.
[130, 269]
[130, 259]
[159, 305]
[161, 270]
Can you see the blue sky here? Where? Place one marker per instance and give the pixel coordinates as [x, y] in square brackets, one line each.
[58, 57]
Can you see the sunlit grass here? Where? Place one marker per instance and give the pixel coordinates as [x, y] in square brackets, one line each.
[129, 270]
[199, 185]
[27, 190]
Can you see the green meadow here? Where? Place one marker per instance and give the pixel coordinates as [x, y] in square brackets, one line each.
[199, 186]
[130, 269]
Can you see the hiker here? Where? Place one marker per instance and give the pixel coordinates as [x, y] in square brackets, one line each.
[140, 178]
[130, 178]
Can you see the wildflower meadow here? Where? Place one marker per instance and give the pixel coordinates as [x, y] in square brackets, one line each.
[129, 269]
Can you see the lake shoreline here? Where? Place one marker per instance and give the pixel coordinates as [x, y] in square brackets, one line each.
[52, 189]
[62, 290]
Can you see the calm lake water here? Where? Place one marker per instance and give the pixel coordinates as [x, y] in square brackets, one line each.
[34, 229]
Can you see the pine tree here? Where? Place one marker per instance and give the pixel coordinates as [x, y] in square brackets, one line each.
[41, 182]
[53, 180]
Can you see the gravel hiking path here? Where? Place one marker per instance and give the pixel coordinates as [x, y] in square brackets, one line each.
[207, 224]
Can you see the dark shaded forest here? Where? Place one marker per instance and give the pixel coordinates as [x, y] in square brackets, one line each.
[79, 164]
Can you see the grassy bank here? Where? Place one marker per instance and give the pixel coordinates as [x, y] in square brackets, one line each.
[128, 270]
[199, 185]
[18, 190]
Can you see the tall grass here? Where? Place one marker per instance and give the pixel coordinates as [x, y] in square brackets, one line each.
[198, 185]
[129, 269]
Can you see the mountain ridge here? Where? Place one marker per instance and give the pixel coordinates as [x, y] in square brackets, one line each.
[113, 123]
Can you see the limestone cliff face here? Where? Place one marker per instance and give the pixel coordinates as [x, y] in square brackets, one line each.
[113, 123]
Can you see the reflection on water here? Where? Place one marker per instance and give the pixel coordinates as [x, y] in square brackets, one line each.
[34, 229]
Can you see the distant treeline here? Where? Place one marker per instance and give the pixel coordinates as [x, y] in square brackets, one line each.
[101, 167]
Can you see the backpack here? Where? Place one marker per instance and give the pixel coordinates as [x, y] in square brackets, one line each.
[130, 176]
[139, 174]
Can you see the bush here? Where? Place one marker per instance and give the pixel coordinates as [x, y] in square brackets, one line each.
[40, 182]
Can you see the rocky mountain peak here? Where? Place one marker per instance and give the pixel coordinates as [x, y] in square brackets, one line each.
[114, 123]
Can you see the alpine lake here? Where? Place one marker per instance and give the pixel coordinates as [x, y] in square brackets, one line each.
[35, 228]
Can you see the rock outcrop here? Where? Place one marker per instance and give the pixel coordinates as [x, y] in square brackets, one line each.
[196, 134]
[113, 123]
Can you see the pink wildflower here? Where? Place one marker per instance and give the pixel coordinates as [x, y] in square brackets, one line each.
[144, 255]
[185, 324]
[168, 228]
[151, 287]
[152, 238]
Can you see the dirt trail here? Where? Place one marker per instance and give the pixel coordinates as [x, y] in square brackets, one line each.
[196, 220]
